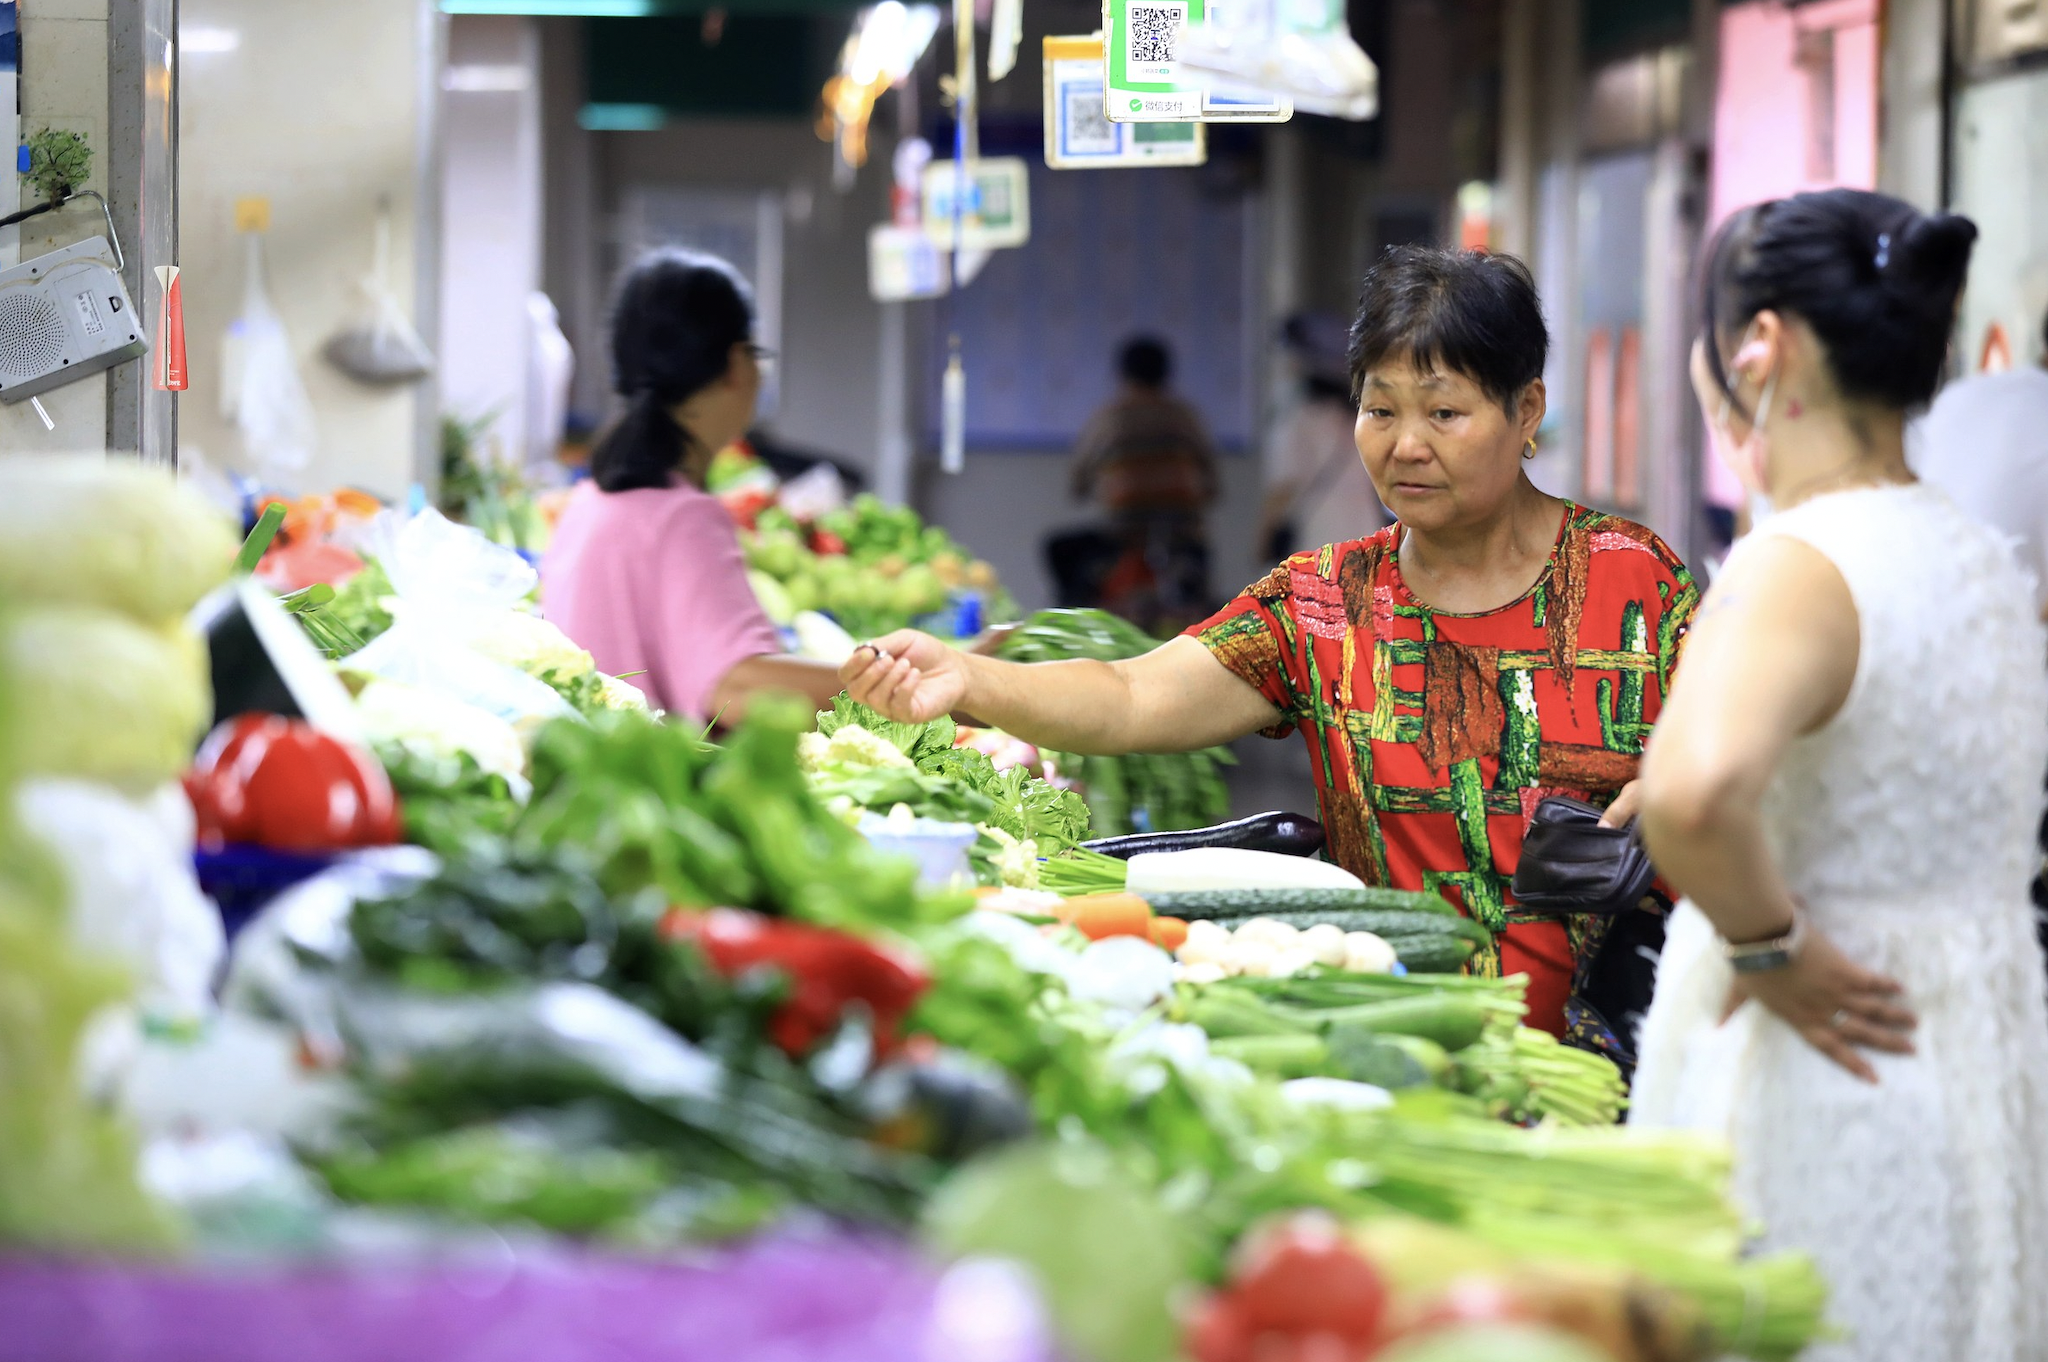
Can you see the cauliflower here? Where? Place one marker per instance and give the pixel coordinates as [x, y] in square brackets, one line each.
[854, 746]
[393, 712]
[92, 694]
[529, 643]
[1016, 861]
[812, 752]
[107, 533]
[621, 694]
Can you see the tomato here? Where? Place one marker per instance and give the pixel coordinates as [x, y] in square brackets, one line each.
[1218, 1332]
[1301, 1276]
[826, 543]
[283, 784]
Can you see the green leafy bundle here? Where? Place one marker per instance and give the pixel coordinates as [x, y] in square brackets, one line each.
[957, 784]
[1167, 792]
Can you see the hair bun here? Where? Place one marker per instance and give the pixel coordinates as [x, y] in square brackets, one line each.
[1934, 252]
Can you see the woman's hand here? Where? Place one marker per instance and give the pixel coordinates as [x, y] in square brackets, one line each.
[909, 677]
[1834, 1003]
[1622, 812]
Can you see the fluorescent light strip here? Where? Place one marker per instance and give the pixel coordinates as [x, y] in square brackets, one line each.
[485, 80]
[622, 117]
[195, 39]
[575, 9]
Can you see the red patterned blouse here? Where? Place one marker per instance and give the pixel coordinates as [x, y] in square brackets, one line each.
[1434, 735]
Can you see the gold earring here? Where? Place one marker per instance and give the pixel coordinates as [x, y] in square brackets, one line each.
[1530, 452]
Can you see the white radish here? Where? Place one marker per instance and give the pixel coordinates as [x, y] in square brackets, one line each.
[1204, 868]
[1207, 972]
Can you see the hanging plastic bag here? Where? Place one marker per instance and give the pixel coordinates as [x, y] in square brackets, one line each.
[261, 393]
[458, 627]
[1294, 49]
[380, 347]
[550, 371]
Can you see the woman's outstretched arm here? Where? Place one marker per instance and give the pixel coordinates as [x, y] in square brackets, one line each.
[1176, 698]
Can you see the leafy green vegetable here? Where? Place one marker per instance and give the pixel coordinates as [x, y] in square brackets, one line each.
[733, 826]
[919, 742]
[358, 605]
[448, 801]
[497, 1172]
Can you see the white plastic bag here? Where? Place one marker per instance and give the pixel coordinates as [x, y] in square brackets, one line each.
[379, 346]
[261, 393]
[133, 894]
[454, 590]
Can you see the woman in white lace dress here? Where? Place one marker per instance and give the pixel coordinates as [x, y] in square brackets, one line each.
[1845, 783]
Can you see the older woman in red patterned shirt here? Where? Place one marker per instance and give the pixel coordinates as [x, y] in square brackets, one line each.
[1494, 645]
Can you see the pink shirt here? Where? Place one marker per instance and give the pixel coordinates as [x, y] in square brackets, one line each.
[652, 581]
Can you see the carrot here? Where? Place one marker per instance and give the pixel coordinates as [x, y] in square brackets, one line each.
[1101, 915]
[1168, 932]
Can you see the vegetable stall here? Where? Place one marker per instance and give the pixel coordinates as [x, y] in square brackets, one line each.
[826, 1018]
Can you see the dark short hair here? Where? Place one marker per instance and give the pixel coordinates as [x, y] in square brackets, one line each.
[1466, 312]
[1875, 278]
[677, 318]
[1145, 361]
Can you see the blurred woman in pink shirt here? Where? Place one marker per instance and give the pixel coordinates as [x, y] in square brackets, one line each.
[645, 569]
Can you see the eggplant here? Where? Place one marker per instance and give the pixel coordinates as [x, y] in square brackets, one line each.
[1289, 834]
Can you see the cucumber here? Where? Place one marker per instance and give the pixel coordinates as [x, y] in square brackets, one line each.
[1439, 953]
[1298, 1056]
[1451, 1021]
[1381, 922]
[1224, 904]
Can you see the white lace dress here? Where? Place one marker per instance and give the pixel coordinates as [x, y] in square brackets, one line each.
[1907, 826]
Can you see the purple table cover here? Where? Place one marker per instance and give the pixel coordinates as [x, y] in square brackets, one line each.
[786, 1299]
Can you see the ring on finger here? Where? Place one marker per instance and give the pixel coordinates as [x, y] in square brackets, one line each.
[1840, 1019]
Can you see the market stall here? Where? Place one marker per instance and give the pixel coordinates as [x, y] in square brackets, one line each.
[557, 1030]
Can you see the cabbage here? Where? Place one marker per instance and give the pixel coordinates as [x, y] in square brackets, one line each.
[77, 531]
[100, 697]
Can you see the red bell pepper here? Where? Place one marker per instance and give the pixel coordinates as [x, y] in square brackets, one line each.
[828, 972]
[283, 784]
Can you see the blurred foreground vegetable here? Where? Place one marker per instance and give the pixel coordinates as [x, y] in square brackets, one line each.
[108, 533]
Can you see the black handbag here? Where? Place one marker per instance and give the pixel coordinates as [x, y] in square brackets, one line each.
[1572, 864]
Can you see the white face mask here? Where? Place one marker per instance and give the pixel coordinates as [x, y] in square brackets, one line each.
[1748, 459]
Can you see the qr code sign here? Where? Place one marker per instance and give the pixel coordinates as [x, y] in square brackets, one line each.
[1150, 36]
[1089, 131]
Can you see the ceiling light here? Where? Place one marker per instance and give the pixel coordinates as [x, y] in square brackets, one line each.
[575, 9]
[195, 40]
[486, 80]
